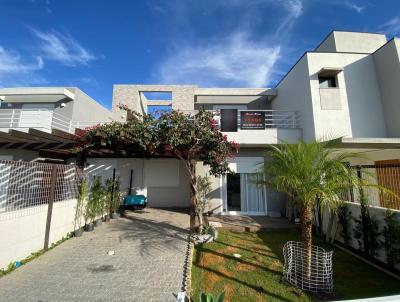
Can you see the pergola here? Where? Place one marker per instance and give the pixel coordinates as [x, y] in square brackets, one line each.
[55, 144]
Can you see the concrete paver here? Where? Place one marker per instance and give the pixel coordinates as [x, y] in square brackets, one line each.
[150, 249]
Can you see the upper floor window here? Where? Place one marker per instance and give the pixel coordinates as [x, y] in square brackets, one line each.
[327, 82]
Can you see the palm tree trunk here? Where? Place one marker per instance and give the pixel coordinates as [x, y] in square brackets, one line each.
[306, 235]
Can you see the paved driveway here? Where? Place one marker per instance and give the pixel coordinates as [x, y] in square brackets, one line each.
[150, 248]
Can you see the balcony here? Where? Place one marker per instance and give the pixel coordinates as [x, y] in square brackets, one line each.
[41, 119]
[278, 126]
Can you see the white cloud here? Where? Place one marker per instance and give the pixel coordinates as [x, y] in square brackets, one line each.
[348, 4]
[391, 27]
[354, 6]
[63, 48]
[295, 7]
[295, 10]
[234, 60]
[14, 71]
[11, 62]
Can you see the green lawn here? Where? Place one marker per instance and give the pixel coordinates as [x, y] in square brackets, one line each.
[256, 276]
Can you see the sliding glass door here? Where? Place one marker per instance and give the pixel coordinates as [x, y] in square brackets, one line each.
[243, 196]
[253, 196]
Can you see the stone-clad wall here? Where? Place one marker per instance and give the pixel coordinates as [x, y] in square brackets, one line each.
[182, 97]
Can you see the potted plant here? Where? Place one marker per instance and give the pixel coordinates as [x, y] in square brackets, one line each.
[97, 197]
[90, 214]
[80, 207]
[115, 201]
[108, 193]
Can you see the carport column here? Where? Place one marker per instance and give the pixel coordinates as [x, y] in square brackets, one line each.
[50, 205]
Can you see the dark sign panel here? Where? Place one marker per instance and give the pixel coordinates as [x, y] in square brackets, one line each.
[228, 120]
[252, 120]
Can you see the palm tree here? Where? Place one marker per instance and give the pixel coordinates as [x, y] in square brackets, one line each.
[308, 172]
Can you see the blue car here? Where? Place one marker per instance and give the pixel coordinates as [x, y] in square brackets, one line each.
[135, 202]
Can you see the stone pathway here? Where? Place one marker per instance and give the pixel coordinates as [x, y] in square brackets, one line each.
[150, 249]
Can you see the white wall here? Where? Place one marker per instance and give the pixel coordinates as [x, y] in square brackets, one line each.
[342, 41]
[387, 64]
[361, 113]
[294, 94]
[355, 209]
[22, 232]
[174, 194]
[264, 137]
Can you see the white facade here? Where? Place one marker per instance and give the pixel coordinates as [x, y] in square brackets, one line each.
[348, 87]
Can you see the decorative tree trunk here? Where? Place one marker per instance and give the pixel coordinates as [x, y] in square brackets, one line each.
[196, 216]
[306, 235]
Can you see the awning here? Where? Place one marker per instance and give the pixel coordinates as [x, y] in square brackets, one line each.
[369, 143]
[329, 71]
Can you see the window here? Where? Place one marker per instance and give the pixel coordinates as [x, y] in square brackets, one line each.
[327, 82]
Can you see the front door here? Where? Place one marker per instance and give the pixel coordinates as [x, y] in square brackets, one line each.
[244, 196]
[233, 192]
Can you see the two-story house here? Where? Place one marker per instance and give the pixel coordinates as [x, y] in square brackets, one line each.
[347, 87]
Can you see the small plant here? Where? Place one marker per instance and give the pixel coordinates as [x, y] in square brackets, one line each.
[81, 203]
[108, 194]
[116, 195]
[366, 230]
[344, 216]
[97, 197]
[207, 229]
[391, 233]
[212, 298]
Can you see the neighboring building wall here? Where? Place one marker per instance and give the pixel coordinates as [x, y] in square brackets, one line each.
[67, 110]
[387, 65]
[87, 109]
[294, 94]
[361, 113]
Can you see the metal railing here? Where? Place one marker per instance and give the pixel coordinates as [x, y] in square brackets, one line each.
[273, 118]
[277, 118]
[41, 118]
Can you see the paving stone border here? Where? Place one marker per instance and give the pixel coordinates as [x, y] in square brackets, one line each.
[187, 270]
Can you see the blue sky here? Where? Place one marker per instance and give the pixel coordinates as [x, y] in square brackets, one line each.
[94, 44]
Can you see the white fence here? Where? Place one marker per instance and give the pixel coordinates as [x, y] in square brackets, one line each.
[26, 190]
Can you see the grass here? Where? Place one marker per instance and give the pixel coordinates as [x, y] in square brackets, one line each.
[256, 276]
